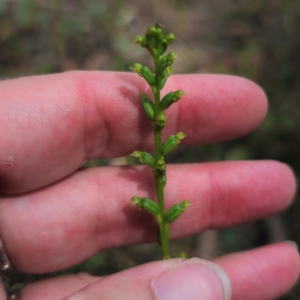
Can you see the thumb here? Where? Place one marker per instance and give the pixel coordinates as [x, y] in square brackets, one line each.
[192, 278]
[172, 279]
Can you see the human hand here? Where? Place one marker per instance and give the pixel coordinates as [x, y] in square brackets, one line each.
[53, 215]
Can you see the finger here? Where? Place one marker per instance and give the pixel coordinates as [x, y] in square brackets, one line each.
[68, 222]
[261, 274]
[51, 125]
[264, 273]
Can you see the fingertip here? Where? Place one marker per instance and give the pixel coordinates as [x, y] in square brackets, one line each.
[263, 273]
[289, 268]
[249, 100]
[223, 106]
[282, 172]
[294, 245]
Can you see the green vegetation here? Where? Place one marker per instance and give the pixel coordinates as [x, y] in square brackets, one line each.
[157, 43]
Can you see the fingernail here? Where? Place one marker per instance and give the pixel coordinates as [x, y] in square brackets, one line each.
[294, 244]
[194, 279]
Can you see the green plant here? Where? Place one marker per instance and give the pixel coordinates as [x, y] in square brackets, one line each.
[156, 43]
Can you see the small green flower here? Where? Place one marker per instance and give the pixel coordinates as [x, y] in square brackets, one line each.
[171, 142]
[137, 68]
[148, 106]
[171, 98]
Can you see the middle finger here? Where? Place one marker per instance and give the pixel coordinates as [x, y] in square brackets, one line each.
[66, 223]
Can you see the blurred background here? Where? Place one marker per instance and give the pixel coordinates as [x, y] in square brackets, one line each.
[257, 39]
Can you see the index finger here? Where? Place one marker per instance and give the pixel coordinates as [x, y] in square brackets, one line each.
[52, 124]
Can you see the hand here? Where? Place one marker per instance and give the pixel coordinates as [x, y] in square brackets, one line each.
[53, 215]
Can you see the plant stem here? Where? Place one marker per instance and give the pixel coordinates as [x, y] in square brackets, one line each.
[160, 180]
[163, 226]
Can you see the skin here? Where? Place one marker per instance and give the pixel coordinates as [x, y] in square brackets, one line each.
[54, 215]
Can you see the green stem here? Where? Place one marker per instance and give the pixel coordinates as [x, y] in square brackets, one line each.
[163, 226]
[160, 180]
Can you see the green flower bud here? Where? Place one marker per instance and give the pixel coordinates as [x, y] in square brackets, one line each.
[171, 57]
[161, 48]
[148, 75]
[178, 94]
[184, 204]
[168, 39]
[150, 206]
[170, 98]
[148, 106]
[152, 30]
[148, 159]
[146, 204]
[162, 65]
[164, 77]
[171, 142]
[141, 41]
[158, 27]
[137, 68]
[136, 200]
[161, 43]
[136, 154]
[167, 100]
[161, 165]
[151, 39]
[180, 135]
[138, 39]
[144, 158]
[175, 211]
[161, 120]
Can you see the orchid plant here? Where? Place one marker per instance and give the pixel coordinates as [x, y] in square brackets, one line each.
[157, 43]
